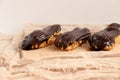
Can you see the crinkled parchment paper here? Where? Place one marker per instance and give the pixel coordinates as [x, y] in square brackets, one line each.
[50, 63]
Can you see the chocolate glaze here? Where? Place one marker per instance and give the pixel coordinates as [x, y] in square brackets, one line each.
[105, 37]
[67, 38]
[39, 36]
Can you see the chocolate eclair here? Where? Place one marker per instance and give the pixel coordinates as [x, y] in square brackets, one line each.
[41, 38]
[72, 39]
[107, 38]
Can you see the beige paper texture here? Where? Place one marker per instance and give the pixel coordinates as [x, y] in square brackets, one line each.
[50, 63]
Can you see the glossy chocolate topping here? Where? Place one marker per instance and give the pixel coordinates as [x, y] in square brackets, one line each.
[39, 36]
[105, 37]
[68, 38]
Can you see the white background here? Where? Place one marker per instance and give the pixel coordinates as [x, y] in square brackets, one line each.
[14, 13]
